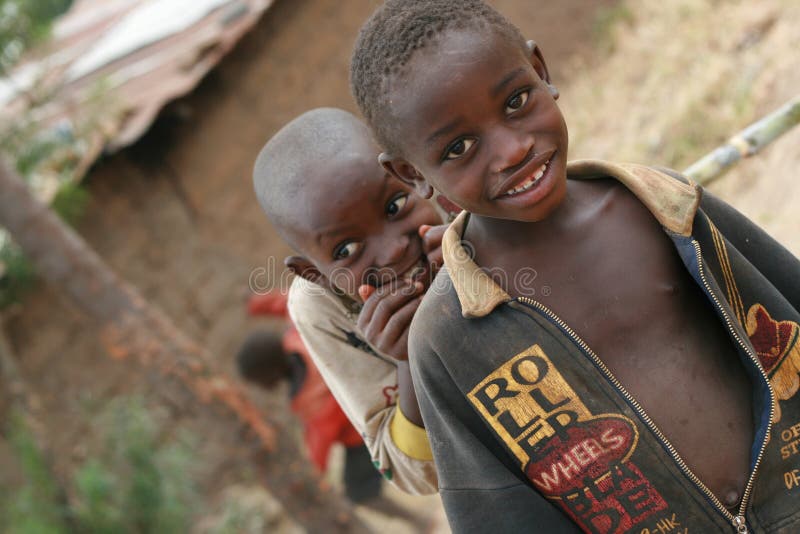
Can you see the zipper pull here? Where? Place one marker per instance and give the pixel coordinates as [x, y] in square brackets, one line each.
[741, 524]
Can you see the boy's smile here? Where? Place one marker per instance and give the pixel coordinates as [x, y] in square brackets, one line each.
[529, 178]
[476, 118]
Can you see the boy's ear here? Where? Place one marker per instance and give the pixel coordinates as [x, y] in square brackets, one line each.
[405, 172]
[539, 65]
[303, 268]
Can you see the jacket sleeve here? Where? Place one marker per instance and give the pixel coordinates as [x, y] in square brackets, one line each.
[777, 264]
[365, 385]
[481, 488]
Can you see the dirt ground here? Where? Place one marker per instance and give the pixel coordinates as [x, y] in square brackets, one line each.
[176, 216]
[664, 98]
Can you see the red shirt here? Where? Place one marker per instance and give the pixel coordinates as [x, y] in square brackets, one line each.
[323, 420]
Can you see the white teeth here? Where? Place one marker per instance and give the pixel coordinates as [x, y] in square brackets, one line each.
[530, 181]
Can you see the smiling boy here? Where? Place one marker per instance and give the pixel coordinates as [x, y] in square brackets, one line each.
[366, 254]
[606, 337]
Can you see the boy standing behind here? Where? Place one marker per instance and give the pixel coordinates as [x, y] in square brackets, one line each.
[355, 228]
[266, 359]
[605, 337]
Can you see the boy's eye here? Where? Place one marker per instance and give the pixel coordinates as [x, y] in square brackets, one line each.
[397, 204]
[458, 148]
[516, 102]
[346, 249]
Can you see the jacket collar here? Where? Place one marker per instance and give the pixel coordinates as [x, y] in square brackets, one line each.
[672, 202]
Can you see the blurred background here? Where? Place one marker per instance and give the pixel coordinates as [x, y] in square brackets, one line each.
[138, 122]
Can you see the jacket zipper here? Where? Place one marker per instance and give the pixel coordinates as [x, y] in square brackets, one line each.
[739, 521]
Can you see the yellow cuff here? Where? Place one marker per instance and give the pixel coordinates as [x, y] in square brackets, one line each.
[411, 439]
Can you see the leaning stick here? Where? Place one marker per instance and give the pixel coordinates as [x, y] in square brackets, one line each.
[746, 143]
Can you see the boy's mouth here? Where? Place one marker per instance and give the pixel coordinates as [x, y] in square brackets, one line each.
[415, 272]
[531, 176]
[529, 182]
[419, 271]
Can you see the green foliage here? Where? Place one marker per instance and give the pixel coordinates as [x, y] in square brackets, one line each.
[46, 158]
[23, 23]
[96, 510]
[135, 484]
[35, 509]
[70, 202]
[18, 274]
[33, 152]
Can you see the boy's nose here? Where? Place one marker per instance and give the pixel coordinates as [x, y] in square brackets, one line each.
[393, 250]
[512, 147]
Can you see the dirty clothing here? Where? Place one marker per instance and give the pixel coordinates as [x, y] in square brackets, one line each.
[530, 430]
[364, 383]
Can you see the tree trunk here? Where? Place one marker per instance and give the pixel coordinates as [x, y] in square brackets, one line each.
[131, 329]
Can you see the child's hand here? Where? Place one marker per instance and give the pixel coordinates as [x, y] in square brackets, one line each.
[432, 245]
[386, 315]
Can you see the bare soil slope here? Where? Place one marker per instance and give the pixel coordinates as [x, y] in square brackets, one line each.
[678, 78]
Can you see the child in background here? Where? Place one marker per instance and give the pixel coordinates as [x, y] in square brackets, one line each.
[607, 340]
[266, 359]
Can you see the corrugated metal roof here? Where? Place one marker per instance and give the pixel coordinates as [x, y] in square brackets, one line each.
[108, 69]
[113, 64]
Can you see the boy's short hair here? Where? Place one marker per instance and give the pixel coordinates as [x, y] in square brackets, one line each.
[391, 37]
[285, 164]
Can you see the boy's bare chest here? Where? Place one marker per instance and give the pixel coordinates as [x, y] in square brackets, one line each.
[622, 288]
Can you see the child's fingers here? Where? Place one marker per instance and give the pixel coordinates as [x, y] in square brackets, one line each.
[365, 290]
[393, 339]
[380, 307]
[398, 324]
[432, 238]
[435, 259]
[424, 229]
[400, 348]
[389, 304]
[374, 296]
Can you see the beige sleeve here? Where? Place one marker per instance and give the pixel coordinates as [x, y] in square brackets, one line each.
[365, 385]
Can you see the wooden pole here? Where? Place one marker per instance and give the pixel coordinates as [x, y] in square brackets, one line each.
[746, 143]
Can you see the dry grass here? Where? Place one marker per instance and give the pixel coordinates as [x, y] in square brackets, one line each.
[682, 76]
